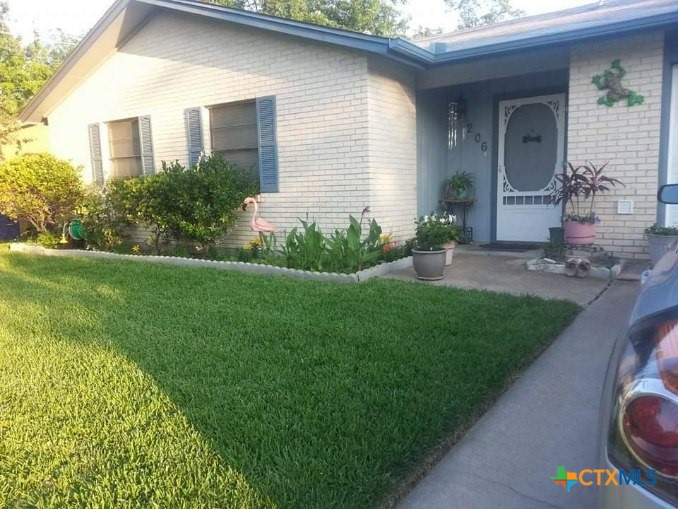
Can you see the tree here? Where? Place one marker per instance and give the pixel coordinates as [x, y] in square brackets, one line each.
[23, 71]
[474, 13]
[40, 189]
[422, 32]
[377, 17]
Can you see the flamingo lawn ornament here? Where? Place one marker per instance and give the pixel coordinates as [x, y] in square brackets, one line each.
[257, 224]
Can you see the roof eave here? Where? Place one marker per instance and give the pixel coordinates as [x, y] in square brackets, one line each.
[26, 114]
[614, 29]
[371, 44]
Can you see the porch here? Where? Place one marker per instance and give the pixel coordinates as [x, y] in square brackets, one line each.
[504, 122]
[507, 274]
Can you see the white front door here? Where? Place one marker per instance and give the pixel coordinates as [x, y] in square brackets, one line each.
[672, 176]
[531, 153]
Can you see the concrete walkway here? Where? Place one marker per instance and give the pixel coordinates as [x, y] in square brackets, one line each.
[508, 274]
[549, 417]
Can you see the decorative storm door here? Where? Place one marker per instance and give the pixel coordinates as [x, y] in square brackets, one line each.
[531, 153]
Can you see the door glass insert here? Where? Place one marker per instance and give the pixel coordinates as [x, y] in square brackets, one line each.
[531, 147]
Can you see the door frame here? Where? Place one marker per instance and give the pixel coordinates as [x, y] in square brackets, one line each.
[521, 94]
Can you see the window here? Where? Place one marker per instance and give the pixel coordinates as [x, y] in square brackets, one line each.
[233, 128]
[125, 148]
[244, 133]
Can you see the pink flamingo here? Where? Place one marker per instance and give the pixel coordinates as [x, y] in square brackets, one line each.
[257, 224]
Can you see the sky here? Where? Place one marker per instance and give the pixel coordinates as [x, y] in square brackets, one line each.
[78, 16]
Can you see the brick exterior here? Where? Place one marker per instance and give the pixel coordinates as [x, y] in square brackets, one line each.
[334, 159]
[627, 137]
[392, 148]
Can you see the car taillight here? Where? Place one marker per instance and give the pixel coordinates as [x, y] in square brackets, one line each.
[650, 425]
[643, 432]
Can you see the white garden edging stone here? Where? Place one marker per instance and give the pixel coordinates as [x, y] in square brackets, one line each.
[256, 268]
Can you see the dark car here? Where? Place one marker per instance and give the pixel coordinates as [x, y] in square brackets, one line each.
[640, 400]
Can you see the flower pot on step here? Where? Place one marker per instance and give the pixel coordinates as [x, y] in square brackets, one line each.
[449, 252]
[429, 265]
[659, 245]
[579, 234]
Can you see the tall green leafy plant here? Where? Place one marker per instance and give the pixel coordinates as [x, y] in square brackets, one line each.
[349, 252]
[578, 188]
[345, 251]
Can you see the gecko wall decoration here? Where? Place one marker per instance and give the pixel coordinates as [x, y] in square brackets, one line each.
[611, 81]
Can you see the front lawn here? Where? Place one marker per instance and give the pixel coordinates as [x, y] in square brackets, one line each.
[133, 385]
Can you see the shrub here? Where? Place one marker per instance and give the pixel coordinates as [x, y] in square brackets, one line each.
[39, 189]
[139, 201]
[101, 220]
[185, 204]
[202, 201]
[50, 240]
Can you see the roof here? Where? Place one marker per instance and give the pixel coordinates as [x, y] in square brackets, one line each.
[125, 17]
[594, 20]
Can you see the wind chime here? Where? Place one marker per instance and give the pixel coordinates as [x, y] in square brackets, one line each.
[456, 115]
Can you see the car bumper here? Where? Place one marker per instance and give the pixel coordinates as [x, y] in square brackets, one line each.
[629, 497]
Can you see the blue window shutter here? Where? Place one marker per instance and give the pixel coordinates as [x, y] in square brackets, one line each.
[146, 139]
[193, 135]
[95, 153]
[268, 144]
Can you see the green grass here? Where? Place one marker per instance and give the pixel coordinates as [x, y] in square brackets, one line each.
[132, 385]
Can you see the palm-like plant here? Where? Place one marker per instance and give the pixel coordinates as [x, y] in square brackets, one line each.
[578, 189]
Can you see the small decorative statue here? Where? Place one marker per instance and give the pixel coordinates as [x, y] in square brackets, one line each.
[611, 81]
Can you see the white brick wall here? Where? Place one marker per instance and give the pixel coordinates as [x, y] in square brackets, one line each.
[392, 148]
[627, 137]
[333, 162]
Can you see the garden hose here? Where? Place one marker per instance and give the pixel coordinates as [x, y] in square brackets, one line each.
[74, 229]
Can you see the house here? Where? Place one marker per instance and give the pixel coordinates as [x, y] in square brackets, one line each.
[338, 121]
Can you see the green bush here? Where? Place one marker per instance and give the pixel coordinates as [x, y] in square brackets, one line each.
[40, 189]
[202, 201]
[195, 205]
[140, 201]
[50, 240]
[101, 220]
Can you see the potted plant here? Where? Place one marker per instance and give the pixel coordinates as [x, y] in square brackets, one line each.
[429, 255]
[458, 186]
[578, 189]
[660, 240]
[455, 235]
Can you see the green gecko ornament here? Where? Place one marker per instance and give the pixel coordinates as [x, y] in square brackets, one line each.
[611, 81]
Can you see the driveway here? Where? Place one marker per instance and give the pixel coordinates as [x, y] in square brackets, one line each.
[549, 417]
[508, 274]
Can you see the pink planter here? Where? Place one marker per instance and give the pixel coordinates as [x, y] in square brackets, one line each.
[579, 234]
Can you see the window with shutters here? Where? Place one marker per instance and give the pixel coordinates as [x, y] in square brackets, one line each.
[233, 129]
[125, 148]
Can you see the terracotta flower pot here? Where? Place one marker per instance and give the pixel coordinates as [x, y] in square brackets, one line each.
[429, 265]
[579, 234]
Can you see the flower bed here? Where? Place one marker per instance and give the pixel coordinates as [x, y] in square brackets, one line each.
[257, 268]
